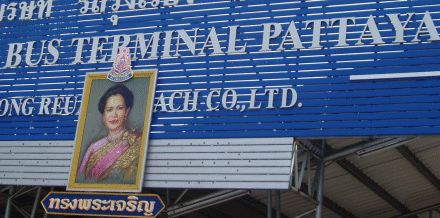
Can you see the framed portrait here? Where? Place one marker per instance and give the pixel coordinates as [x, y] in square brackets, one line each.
[111, 140]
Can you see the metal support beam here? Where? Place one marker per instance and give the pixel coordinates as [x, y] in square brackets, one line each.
[45, 214]
[309, 177]
[36, 201]
[372, 185]
[269, 204]
[20, 210]
[310, 146]
[382, 142]
[18, 192]
[306, 213]
[5, 189]
[168, 197]
[180, 196]
[205, 201]
[300, 162]
[12, 203]
[301, 168]
[411, 157]
[337, 209]
[327, 202]
[419, 211]
[23, 191]
[333, 206]
[9, 202]
[278, 204]
[320, 193]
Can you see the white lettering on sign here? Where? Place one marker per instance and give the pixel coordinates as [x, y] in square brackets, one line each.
[227, 99]
[177, 101]
[47, 49]
[26, 10]
[100, 6]
[206, 42]
[61, 105]
[132, 204]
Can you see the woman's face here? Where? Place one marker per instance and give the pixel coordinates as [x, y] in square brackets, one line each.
[115, 113]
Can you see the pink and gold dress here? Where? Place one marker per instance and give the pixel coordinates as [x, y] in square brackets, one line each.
[112, 160]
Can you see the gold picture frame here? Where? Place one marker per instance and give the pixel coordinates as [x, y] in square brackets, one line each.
[110, 150]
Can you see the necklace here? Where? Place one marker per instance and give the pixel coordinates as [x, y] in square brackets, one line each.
[114, 137]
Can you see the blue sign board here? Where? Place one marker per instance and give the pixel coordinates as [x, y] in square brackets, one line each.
[228, 69]
[103, 204]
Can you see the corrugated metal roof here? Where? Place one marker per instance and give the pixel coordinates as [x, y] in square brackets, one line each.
[292, 202]
[428, 152]
[391, 171]
[396, 175]
[388, 168]
[349, 193]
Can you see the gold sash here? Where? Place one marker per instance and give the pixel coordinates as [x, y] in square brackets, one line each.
[126, 163]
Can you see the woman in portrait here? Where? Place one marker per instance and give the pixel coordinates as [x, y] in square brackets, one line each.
[113, 158]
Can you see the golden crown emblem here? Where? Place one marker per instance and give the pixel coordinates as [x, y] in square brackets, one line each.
[121, 70]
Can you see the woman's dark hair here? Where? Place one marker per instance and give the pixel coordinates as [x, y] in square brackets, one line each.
[114, 90]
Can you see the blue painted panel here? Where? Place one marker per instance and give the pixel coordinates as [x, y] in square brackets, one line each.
[332, 104]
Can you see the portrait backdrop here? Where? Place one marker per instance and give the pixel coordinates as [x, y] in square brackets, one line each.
[91, 128]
